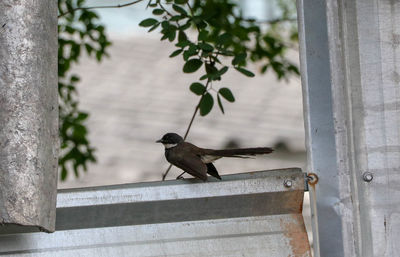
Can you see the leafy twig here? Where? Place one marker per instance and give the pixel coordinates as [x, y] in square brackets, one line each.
[100, 7]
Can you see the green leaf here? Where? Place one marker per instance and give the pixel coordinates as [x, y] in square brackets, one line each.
[206, 47]
[226, 52]
[223, 70]
[98, 56]
[186, 55]
[264, 68]
[182, 43]
[220, 104]
[201, 25]
[63, 173]
[165, 36]
[82, 116]
[205, 76]
[158, 11]
[148, 22]
[179, 9]
[206, 104]
[224, 38]
[245, 72]
[190, 52]
[197, 88]
[171, 35]
[239, 58]
[192, 65]
[294, 69]
[203, 34]
[89, 48]
[165, 24]
[154, 27]
[176, 52]
[70, 29]
[227, 94]
[74, 78]
[182, 36]
[173, 27]
[76, 165]
[176, 18]
[181, 1]
[186, 26]
[212, 72]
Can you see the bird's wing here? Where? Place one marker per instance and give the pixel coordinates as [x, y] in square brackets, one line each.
[194, 166]
[190, 163]
[212, 170]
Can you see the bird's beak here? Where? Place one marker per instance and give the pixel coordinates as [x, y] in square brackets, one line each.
[159, 141]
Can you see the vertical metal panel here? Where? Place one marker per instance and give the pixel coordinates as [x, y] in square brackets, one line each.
[375, 108]
[364, 90]
[319, 124]
[251, 214]
[28, 113]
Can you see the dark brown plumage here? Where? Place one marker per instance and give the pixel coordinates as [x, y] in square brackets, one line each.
[198, 161]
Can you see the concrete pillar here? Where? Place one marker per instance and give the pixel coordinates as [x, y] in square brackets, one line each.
[28, 113]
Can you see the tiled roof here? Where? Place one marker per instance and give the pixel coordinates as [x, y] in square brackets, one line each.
[138, 94]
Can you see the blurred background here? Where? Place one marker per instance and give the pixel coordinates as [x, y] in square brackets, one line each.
[139, 93]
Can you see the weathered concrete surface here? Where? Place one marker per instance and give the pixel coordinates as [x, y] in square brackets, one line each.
[28, 113]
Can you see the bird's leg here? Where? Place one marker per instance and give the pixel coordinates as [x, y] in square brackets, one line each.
[180, 176]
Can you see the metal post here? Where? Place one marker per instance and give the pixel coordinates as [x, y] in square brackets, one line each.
[350, 56]
[28, 113]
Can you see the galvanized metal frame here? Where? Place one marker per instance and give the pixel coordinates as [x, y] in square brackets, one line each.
[253, 214]
[350, 73]
[319, 124]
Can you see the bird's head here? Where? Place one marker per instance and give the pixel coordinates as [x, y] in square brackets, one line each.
[170, 140]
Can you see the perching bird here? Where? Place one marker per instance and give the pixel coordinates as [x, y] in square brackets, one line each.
[198, 161]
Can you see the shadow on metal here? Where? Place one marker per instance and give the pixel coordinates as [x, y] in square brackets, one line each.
[249, 214]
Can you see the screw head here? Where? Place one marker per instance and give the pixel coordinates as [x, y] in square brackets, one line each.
[288, 183]
[368, 176]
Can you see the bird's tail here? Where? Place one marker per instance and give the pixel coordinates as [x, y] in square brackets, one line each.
[239, 152]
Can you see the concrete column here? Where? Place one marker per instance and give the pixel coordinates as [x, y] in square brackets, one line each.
[28, 113]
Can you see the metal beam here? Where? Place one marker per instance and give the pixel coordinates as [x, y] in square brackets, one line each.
[253, 214]
[28, 113]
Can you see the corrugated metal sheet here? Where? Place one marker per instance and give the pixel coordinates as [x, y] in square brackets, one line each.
[350, 56]
[252, 214]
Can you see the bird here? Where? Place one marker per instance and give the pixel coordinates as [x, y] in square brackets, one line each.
[199, 161]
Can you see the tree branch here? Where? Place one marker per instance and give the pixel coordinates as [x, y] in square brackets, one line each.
[101, 7]
[189, 126]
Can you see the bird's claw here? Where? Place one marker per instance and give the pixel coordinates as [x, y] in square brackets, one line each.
[179, 177]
